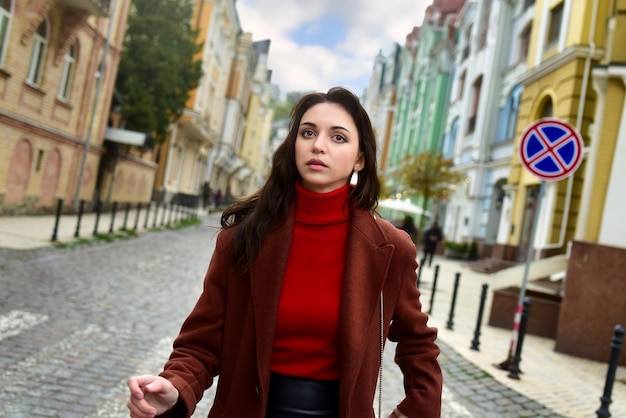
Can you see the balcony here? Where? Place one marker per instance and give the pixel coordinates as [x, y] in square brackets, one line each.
[93, 7]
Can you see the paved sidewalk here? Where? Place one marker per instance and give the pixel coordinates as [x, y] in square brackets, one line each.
[568, 385]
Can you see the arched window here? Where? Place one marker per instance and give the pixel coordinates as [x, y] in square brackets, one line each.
[546, 108]
[69, 62]
[38, 54]
[5, 20]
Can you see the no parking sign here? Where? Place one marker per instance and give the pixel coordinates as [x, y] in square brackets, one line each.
[551, 149]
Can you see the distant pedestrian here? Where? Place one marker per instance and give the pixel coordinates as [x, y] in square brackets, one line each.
[408, 226]
[218, 198]
[206, 194]
[432, 236]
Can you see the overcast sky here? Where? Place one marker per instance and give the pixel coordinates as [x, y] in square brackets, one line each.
[318, 44]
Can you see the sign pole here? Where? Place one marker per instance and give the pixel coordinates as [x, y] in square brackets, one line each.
[522, 292]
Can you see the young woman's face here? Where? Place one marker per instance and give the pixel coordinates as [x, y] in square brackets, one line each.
[327, 148]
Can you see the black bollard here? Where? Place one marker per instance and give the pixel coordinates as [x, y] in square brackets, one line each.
[137, 216]
[113, 217]
[163, 213]
[81, 207]
[126, 210]
[450, 323]
[616, 348]
[145, 222]
[169, 216]
[97, 221]
[434, 290]
[514, 369]
[419, 275]
[156, 214]
[55, 230]
[479, 320]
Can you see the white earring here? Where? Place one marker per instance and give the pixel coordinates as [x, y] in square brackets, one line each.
[354, 179]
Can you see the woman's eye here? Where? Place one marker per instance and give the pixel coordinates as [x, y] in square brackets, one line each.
[307, 133]
[339, 138]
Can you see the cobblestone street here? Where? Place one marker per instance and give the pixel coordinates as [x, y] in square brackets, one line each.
[75, 323]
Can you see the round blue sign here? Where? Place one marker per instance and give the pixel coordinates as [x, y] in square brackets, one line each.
[551, 149]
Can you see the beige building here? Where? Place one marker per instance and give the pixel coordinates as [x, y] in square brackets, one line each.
[184, 156]
[57, 75]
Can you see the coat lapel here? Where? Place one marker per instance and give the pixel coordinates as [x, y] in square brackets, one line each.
[266, 277]
[367, 262]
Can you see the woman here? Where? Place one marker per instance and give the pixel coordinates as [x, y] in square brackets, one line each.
[290, 316]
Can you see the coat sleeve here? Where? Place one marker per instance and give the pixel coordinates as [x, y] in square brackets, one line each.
[195, 360]
[416, 350]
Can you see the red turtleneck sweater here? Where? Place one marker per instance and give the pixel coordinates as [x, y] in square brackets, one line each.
[305, 343]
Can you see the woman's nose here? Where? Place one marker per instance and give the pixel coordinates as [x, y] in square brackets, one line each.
[319, 144]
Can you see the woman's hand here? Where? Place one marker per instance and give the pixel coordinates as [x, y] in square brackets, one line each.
[397, 414]
[150, 396]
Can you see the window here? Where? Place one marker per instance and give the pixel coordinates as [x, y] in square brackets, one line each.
[485, 24]
[5, 19]
[471, 125]
[461, 85]
[546, 108]
[69, 61]
[513, 108]
[38, 54]
[554, 31]
[450, 139]
[524, 41]
[528, 3]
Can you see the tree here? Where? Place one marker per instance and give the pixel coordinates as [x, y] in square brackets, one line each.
[429, 176]
[159, 65]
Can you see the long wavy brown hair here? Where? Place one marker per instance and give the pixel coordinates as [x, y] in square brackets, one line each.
[265, 210]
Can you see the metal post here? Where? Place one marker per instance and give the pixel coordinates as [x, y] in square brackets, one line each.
[434, 290]
[479, 319]
[450, 323]
[616, 348]
[113, 217]
[98, 210]
[163, 213]
[169, 215]
[145, 222]
[514, 369]
[55, 230]
[126, 210]
[137, 216]
[81, 207]
[419, 275]
[522, 292]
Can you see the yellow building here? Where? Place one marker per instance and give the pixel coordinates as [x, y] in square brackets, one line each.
[55, 93]
[577, 73]
[256, 148]
[566, 43]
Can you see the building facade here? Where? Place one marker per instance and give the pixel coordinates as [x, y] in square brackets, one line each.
[58, 64]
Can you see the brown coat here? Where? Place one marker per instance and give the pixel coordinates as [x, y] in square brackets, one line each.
[230, 332]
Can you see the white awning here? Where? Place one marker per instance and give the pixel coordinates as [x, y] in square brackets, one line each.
[402, 205]
[122, 136]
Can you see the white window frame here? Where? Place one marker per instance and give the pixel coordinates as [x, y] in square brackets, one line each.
[5, 26]
[38, 55]
[69, 63]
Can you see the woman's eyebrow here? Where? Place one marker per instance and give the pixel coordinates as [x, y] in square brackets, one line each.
[332, 127]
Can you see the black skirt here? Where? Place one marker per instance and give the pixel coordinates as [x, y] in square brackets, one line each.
[295, 397]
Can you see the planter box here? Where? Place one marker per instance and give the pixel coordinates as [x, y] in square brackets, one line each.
[544, 311]
[455, 254]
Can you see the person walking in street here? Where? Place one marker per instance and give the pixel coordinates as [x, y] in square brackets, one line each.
[432, 237]
[408, 226]
[304, 286]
